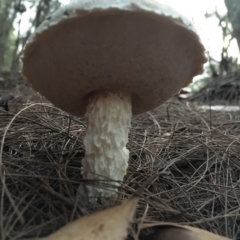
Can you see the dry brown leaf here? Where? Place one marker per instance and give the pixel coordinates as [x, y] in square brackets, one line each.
[174, 231]
[109, 224]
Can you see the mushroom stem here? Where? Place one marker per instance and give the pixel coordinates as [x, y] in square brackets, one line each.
[106, 156]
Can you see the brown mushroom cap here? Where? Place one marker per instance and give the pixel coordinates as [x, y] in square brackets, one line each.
[137, 46]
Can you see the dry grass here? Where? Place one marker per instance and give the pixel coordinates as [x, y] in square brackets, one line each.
[196, 153]
[224, 89]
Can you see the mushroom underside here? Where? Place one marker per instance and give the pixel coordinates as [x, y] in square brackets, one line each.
[150, 56]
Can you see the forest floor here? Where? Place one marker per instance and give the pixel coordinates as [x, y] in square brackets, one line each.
[41, 152]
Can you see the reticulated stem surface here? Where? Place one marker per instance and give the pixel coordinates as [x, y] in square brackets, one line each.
[108, 123]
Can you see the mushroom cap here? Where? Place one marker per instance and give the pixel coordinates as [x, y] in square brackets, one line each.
[138, 46]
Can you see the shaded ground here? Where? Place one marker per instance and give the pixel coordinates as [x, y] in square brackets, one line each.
[41, 152]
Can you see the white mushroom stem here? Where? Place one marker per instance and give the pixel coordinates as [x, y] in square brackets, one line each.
[109, 118]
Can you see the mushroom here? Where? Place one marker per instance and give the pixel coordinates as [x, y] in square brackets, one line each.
[108, 60]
